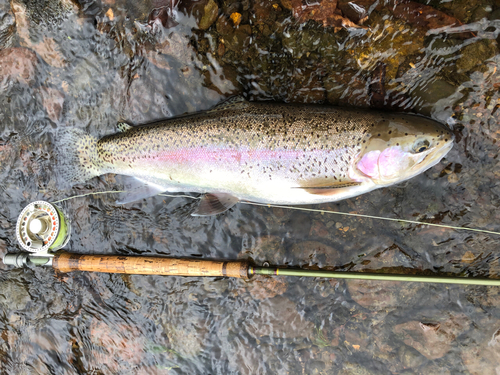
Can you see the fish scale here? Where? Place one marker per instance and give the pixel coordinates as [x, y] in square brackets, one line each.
[264, 152]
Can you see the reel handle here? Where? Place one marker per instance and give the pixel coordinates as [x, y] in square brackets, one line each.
[141, 265]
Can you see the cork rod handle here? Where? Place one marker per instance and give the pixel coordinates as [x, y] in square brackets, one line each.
[140, 265]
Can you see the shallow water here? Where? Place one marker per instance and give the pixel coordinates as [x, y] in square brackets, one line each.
[88, 67]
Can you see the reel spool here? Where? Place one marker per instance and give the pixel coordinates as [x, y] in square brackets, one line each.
[42, 227]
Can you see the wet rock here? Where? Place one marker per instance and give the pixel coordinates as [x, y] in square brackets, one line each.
[307, 87]
[481, 12]
[475, 54]
[49, 50]
[185, 340]
[265, 249]
[173, 45]
[315, 367]
[264, 12]
[433, 369]
[162, 14]
[14, 295]
[248, 359]
[494, 16]
[302, 42]
[324, 11]
[235, 39]
[461, 9]
[424, 16]
[17, 64]
[205, 12]
[356, 10]
[354, 368]
[328, 48]
[8, 156]
[122, 343]
[409, 357]
[287, 4]
[36, 21]
[390, 257]
[278, 318]
[46, 13]
[433, 340]
[217, 287]
[483, 357]
[265, 287]
[392, 34]
[318, 229]
[209, 16]
[315, 252]
[377, 296]
[223, 80]
[7, 28]
[299, 225]
[347, 88]
[53, 102]
[428, 95]
[231, 6]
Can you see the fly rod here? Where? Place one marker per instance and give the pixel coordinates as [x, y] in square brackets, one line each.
[42, 229]
[145, 265]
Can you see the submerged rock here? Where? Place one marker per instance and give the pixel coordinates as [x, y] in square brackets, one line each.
[235, 39]
[475, 54]
[39, 25]
[432, 340]
[205, 12]
[7, 28]
[382, 296]
[14, 295]
[426, 17]
[266, 249]
[265, 287]
[53, 102]
[315, 252]
[17, 64]
[278, 318]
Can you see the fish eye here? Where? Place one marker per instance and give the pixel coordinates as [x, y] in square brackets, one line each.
[421, 145]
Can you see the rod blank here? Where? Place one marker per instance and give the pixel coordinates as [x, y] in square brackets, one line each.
[274, 271]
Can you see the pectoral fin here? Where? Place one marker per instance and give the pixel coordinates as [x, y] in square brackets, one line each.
[213, 204]
[331, 189]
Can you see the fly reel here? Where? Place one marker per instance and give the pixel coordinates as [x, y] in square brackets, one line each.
[42, 227]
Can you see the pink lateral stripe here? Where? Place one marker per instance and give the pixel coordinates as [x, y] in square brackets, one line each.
[200, 154]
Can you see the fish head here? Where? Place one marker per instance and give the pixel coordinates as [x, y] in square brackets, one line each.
[401, 147]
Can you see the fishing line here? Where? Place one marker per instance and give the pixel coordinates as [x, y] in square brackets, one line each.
[87, 194]
[306, 209]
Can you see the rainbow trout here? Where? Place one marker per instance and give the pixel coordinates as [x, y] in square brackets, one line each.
[262, 152]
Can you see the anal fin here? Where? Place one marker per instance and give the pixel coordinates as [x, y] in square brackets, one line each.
[213, 204]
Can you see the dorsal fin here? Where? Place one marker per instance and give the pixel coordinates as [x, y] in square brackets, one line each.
[123, 127]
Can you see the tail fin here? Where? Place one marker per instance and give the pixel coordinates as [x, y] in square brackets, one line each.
[77, 156]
